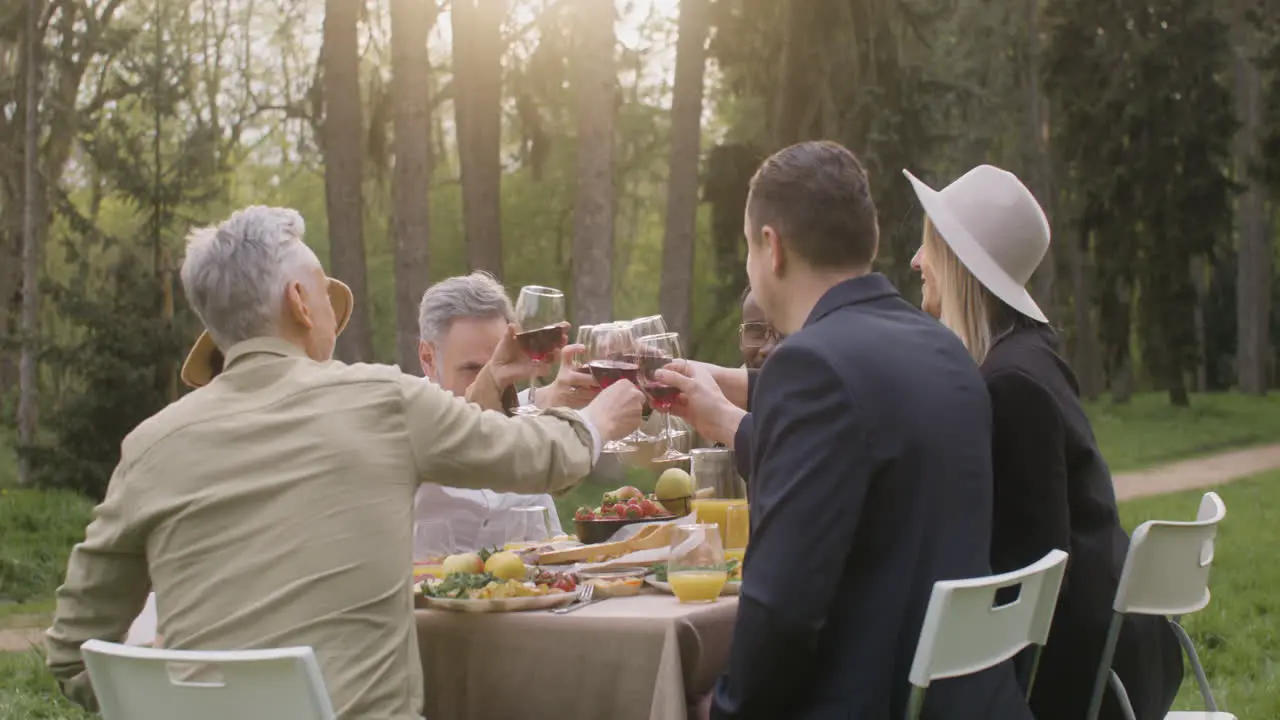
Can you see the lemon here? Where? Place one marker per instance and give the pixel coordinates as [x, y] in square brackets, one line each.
[505, 566]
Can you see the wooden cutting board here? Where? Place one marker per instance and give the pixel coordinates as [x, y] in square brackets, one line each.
[649, 537]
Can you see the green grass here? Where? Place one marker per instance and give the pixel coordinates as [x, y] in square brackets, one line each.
[27, 691]
[1148, 431]
[37, 530]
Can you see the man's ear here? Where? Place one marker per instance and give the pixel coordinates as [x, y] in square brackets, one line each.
[295, 300]
[773, 246]
[427, 356]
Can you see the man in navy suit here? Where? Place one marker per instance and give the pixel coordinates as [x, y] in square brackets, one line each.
[868, 452]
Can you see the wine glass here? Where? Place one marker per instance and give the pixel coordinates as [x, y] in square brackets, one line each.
[696, 569]
[651, 325]
[539, 313]
[611, 356]
[640, 327]
[654, 353]
[583, 339]
[526, 526]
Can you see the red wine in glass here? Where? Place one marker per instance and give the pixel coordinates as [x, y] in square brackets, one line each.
[608, 372]
[662, 395]
[541, 343]
[650, 363]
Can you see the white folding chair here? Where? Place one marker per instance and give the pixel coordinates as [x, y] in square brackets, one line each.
[964, 630]
[1165, 573]
[136, 683]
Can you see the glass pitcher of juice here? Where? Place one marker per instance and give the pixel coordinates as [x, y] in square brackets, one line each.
[717, 486]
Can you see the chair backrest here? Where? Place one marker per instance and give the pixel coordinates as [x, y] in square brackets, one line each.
[1167, 569]
[965, 631]
[135, 683]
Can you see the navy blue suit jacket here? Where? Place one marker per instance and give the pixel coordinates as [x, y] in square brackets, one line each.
[868, 449]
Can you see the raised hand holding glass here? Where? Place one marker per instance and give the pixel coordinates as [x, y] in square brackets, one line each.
[540, 311]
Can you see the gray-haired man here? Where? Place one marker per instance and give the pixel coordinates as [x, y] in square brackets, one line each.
[271, 508]
[466, 347]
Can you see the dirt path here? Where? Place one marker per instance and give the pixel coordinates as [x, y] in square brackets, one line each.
[21, 640]
[25, 632]
[1197, 473]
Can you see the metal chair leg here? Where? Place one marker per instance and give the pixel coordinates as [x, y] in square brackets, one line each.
[1189, 648]
[1104, 667]
[915, 703]
[1122, 697]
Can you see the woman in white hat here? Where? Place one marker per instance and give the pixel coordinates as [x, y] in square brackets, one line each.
[984, 236]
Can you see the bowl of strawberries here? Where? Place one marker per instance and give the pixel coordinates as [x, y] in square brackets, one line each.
[617, 509]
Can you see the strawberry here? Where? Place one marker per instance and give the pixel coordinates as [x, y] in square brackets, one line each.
[634, 512]
[583, 513]
[650, 508]
[620, 510]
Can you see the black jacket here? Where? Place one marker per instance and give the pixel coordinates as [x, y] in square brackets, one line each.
[868, 448]
[1053, 490]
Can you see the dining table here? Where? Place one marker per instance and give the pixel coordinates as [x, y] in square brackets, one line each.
[644, 657]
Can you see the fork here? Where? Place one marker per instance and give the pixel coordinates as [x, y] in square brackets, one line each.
[584, 599]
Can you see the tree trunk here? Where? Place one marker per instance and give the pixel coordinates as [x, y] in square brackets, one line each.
[676, 287]
[10, 282]
[33, 208]
[1038, 166]
[477, 83]
[1200, 281]
[1253, 285]
[1088, 357]
[593, 79]
[411, 21]
[799, 75]
[343, 151]
[1118, 328]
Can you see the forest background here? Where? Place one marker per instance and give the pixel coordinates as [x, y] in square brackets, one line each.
[605, 147]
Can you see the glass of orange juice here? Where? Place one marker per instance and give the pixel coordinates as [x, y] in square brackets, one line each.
[737, 530]
[715, 511]
[696, 568]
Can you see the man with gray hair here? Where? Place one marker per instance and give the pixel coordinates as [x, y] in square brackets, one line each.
[273, 507]
[467, 346]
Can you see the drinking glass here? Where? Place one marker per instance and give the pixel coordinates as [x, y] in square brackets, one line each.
[539, 313]
[696, 567]
[640, 327]
[651, 325]
[432, 542]
[526, 526]
[611, 356]
[654, 353]
[583, 338]
[737, 532]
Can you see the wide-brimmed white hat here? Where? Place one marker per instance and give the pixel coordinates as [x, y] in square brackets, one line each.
[994, 225]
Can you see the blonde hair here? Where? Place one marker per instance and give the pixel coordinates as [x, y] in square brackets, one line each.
[968, 307]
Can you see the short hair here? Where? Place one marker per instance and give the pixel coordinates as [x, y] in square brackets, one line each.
[477, 295]
[234, 275]
[817, 197]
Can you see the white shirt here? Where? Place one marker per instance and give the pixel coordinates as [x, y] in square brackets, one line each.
[477, 518]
